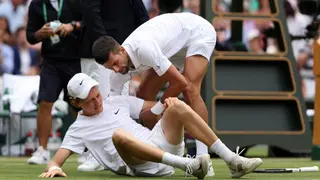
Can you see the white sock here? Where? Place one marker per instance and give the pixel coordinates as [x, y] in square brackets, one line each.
[175, 161]
[201, 148]
[222, 150]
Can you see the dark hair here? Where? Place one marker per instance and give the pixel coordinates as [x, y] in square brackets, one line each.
[21, 28]
[102, 47]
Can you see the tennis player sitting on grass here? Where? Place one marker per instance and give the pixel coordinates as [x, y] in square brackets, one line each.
[127, 148]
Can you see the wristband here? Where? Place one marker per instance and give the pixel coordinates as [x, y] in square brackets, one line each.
[158, 108]
[52, 168]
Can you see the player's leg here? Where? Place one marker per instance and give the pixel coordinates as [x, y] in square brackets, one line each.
[195, 125]
[201, 44]
[135, 152]
[194, 70]
[49, 90]
[132, 150]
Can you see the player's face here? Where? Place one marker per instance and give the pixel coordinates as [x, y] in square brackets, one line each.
[118, 62]
[92, 105]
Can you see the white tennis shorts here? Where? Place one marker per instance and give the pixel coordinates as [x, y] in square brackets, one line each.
[157, 139]
[202, 41]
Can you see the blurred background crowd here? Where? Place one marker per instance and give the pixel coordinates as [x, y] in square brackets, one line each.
[19, 57]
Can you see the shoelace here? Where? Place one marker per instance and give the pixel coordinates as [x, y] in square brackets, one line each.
[189, 166]
[241, 159]
[237, 150]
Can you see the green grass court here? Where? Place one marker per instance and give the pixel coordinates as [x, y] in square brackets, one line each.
[17, 169]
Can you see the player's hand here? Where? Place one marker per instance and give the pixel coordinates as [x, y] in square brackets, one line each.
[64, 30]
[171, 101]
[53, 173]
[45, 32]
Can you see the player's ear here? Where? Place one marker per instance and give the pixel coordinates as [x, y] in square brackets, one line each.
[121, 49]
[75, 102]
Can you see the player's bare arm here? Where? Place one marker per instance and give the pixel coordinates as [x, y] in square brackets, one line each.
[148, 105]
[165, 69]
[148, 118]
[177, 83]
[54, 167]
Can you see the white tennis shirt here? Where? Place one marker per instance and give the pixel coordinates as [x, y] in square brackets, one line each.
[154, 42]
[95, 132]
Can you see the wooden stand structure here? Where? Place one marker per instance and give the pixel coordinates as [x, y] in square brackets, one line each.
[316, 120]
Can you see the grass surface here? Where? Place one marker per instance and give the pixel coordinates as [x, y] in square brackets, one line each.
[16, 168]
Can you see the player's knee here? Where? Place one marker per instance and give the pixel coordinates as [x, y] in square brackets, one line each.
[119, 137]
[177, 109]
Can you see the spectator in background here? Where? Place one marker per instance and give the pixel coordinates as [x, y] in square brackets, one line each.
[222, 28]
[15, 11]
[255, 41]
[60, 61]
[26, 60]
[297, 24]
[192, 6]
[264, 28]
[118, 19]
[221, 6]
[4, 26]
[249, 6]
[302, 49]
[257, 6]
[305, 68]
[37, 46]
[6, 56]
